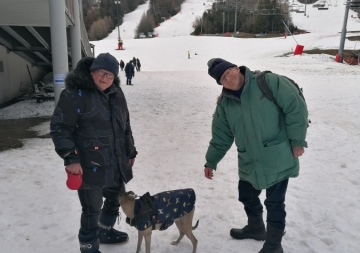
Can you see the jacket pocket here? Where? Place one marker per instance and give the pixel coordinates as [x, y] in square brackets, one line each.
[246, 164]
[97, 157]
[278, 158]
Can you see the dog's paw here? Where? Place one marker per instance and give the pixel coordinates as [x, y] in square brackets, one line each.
[174, 243]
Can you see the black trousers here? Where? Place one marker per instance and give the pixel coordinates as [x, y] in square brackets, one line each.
[91, 200]
[274, 202]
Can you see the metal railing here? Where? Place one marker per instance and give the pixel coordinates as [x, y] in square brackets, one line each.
[84, 37]
[70, 9]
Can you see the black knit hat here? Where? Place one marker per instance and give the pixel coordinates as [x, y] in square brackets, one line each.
[107, 62]
[217, 67]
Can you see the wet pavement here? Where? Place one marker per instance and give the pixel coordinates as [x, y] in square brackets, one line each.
[13, 131]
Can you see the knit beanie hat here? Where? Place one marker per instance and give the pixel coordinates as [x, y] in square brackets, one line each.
[107, 62]
[217, 67]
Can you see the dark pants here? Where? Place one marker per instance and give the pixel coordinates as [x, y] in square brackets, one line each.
[274, 202]
[91, 200]
[128, 79]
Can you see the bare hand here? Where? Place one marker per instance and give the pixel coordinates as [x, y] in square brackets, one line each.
[208, 172]
[298, 151]
[132, 161]
[74, 168]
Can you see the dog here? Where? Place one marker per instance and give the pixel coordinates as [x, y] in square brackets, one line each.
[160, 211]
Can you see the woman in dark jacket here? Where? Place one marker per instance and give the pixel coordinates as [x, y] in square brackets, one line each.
[134, 61]
[91, 131]
[129, 72]
[138, 65]
[122, 65]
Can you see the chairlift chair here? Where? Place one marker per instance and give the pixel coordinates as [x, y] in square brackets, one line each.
[277, 11]
[264, 11]
[248, 11]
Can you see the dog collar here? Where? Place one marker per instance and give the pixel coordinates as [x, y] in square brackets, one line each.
[147, 209]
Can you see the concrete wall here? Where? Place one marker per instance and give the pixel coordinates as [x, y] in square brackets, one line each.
[14, 71]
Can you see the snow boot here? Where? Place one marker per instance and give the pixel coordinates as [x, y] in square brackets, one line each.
[89, 243]
[273, 240]
[109, 235]
[254, 230]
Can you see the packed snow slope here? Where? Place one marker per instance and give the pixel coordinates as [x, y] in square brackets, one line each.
[171, 105]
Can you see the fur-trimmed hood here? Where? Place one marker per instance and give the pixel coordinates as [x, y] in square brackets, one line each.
[81, 78]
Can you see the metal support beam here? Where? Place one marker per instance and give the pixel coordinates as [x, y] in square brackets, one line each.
[118, 18]
[33, 49]
[235, 18]
[343, 33]
[6, 44]
[58, 45]
[38, 37]
[24, 42]
[16, 36]
[42, 58]
[75, 36]
[40, 64]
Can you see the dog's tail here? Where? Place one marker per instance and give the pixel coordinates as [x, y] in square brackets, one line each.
[196, 225]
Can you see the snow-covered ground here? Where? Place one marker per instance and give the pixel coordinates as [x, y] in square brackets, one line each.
[171, 106]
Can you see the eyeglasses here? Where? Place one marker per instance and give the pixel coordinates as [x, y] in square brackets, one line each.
[225, 75]
[102, 73]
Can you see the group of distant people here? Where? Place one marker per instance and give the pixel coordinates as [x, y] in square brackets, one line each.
[130, 67]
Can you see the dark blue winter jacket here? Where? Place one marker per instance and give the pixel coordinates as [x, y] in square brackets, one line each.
[129, 70]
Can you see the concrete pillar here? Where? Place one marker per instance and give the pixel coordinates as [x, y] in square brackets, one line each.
[343, 32]
[58, 45]
[75, 37]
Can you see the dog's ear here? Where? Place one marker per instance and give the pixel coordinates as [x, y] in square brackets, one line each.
[132, 194]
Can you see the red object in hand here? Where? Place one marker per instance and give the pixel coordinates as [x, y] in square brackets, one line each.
[73, 181]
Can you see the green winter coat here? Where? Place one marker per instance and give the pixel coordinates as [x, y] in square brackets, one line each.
[263, 132]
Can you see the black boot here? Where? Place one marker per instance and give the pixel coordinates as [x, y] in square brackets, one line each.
[254, 230]
[109, 235]
[89, 243]
[273, 240]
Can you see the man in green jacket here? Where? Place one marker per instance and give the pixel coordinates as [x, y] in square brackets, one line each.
[269, 141]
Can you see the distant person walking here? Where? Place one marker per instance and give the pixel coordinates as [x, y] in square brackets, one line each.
[122, 65]
[188, 54]
[138, 64]
[120, 43]
[129, 72]
[134, 61]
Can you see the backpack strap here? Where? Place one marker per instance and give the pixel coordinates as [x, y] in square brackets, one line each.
[266, 90]
[264, 87]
